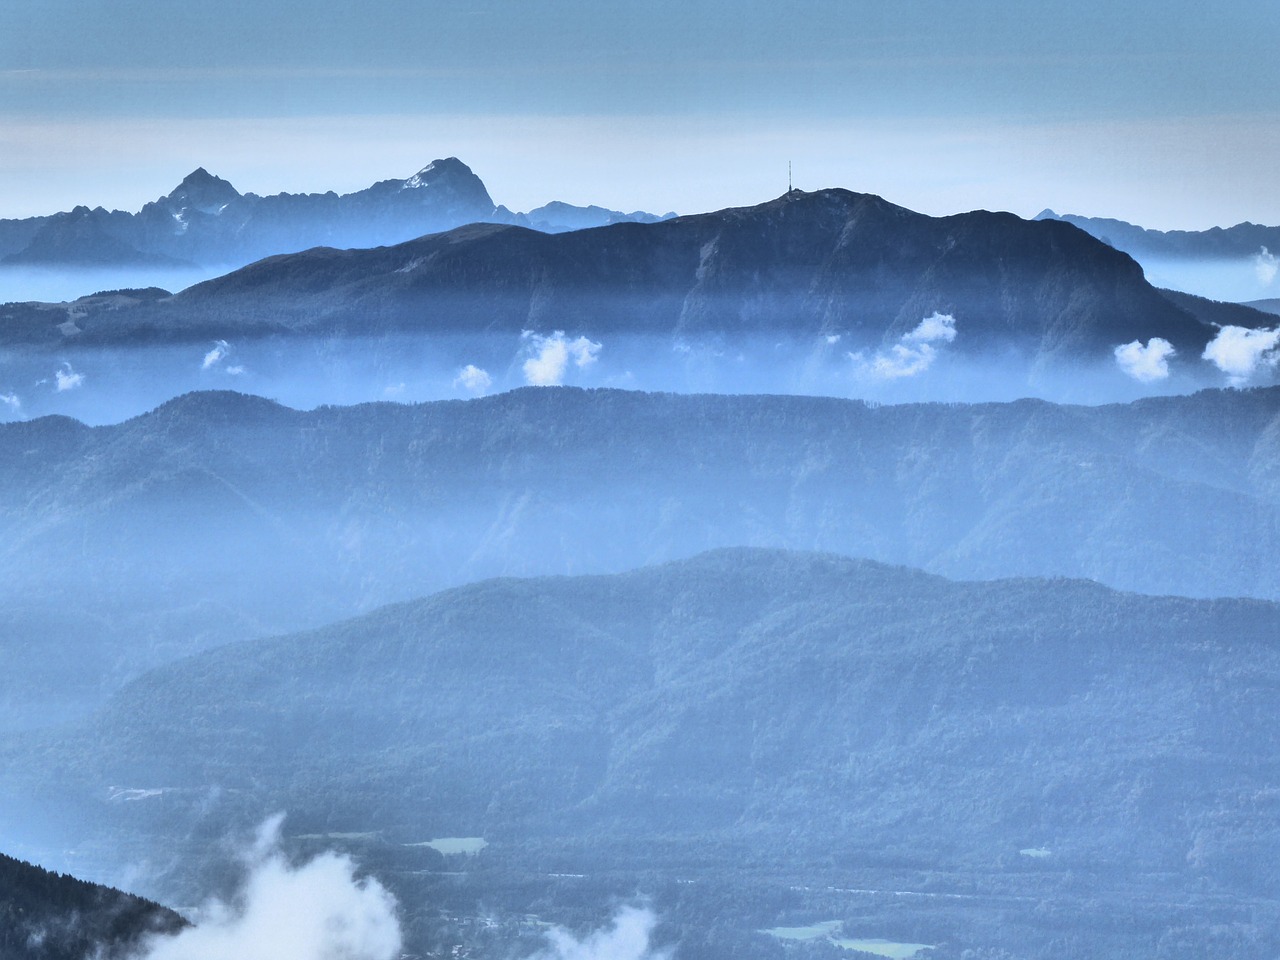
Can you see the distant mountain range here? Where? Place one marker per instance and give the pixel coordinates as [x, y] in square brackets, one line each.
[50, 916]
[205, 221]
[219, 515]
[830, 263]
[1266, 306]
[1216, 243]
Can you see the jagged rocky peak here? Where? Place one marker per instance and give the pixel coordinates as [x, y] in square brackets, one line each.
[450, 177]
[440, 171]
[201, 190]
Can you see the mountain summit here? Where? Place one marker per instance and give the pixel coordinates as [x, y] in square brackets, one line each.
[201, 190]
[205, 221]
[447, 171]
[829, 263]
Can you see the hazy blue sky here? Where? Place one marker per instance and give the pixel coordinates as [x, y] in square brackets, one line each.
[1163, 113]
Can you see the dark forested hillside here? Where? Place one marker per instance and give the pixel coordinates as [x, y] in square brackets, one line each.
[49, 916]
[220, 516]
[826, 263]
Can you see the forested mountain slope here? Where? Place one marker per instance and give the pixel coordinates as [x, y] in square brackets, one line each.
[741, 712]
[50, 916]
[220, 515]
[831, 263]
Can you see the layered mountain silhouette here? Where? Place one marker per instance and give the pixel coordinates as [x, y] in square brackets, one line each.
[219, 515]
[1270, 305]
[830, 263]
[1216, 243]
[205, 221]
[757, 707]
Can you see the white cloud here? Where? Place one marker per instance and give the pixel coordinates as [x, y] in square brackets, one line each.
[937, 326]
[627, 939]
[215, 356]
[914, 352]
[394, 389]
[315, 911]
[1145, 364]
[1266, 264]
[472, 379]
[833, 338]
[66, 378]
[1239, 351]
[549, 356]
[11, 401]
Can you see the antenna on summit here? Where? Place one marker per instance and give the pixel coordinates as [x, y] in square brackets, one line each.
[788, 176]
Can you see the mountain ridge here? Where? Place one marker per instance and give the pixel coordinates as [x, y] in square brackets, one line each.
[219, 514]
[662, 702]
[828, 263]
[205, 221]
[1241, 240]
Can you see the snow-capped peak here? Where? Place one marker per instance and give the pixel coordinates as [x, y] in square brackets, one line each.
[435, 171]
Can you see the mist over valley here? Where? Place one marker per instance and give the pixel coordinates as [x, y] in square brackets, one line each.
[828, 293]
[641, 733]
[387, 574]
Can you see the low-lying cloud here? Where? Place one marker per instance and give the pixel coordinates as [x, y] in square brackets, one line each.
[473, 379]
[1266, 264]
[216, 358]
[1240, 352]
[317, 910]
[12, 402]
[1146, 364]
[914, 352]
[66, 378]
[549, 357]
[628, 938]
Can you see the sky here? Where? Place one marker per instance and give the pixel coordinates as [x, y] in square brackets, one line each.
[1163, 114]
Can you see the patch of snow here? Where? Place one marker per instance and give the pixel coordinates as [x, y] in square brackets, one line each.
[125, 794]
[419, 178]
